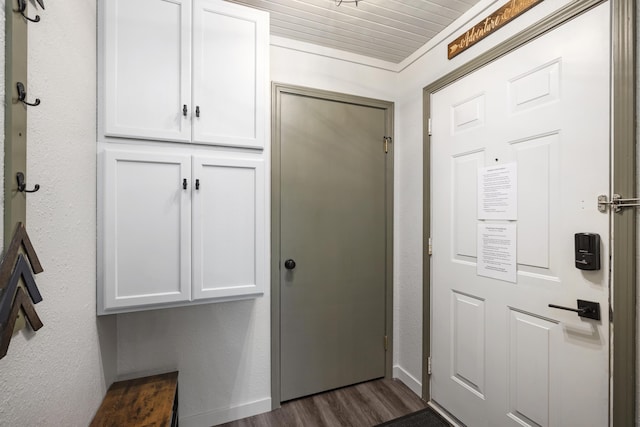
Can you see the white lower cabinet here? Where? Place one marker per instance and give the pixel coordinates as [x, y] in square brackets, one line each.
[228, 227]
[179, 229]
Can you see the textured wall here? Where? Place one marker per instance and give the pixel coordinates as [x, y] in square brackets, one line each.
[58, 375]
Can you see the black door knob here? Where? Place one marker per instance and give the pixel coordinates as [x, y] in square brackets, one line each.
[289, 264]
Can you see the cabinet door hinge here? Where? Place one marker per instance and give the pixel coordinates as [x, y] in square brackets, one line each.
[387, 140]
[429, 126]
[386, 343]
[429, 247]
[429, 365]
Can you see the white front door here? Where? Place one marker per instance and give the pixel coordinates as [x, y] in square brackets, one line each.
[500, 355]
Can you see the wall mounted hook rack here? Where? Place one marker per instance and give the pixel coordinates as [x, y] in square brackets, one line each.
[22, 186]
[22, 96]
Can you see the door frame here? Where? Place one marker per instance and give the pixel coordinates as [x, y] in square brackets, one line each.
[277, 90]
[623, 153]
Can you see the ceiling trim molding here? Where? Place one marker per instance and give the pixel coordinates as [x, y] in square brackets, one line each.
[332, 53]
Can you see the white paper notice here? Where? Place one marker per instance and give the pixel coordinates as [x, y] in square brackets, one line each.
[498, 192]
[497, 251]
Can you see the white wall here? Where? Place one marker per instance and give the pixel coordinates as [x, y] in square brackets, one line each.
[315, 69]
[58, 375]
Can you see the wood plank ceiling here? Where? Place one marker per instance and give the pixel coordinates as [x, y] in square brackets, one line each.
[390, 30]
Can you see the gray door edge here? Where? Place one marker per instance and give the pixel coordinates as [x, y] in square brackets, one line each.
[277, 89]
[623, 103]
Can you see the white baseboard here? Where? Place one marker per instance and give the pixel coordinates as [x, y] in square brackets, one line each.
[225, 415]
[409, 380]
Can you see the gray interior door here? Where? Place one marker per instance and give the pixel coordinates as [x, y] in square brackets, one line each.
[333, 222]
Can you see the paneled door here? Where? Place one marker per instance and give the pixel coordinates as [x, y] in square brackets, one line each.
[334, 256]
[146, 233]
[520, 153]
[230, 74]
[228, 227]
[147, 69]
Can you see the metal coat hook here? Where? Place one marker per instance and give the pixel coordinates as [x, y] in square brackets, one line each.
[22, 96]
[22, 7]
[22, 186]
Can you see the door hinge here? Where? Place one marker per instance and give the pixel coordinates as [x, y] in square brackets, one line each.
[430, 247]
[429, 365]
[617, 203]
[387, 140]
[386, 343]
[429, 126]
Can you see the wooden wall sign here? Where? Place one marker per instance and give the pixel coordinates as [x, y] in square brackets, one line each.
[511, 10]
[15, 269]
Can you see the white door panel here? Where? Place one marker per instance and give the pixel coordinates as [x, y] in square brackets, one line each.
[148, 69]
[229, 74]
[147, 229]
[500, 355]
[228, 231]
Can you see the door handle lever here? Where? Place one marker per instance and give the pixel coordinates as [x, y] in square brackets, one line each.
[588, 309]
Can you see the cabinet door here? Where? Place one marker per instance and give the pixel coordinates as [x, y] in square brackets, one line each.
[146, 230]
[230, 76]
[228, 228]
[147, 69]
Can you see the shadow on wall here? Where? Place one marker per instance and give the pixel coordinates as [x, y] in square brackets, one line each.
[222, 354]
[107, 340]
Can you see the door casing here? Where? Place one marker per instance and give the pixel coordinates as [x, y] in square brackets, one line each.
[623, 137]
[277, 90]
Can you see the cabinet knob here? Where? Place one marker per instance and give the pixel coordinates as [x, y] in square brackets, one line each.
[184, 110]
[289, 264]
[197, 184]
[197, 111]
[184, 183]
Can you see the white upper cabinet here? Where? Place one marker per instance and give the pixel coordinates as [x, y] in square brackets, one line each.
[147, 69]
[186, 71]
[230, 44]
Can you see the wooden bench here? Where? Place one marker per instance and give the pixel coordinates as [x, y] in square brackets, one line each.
[148, 401]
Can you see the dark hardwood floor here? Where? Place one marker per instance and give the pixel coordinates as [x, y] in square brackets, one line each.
[361, 405]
